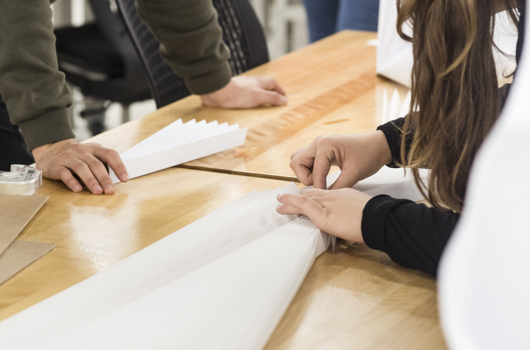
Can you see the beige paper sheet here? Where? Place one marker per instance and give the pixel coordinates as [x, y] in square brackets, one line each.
[15, 214]
[19, 255]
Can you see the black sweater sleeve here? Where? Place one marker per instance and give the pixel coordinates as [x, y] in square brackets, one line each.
[393, 134]
[412, 234]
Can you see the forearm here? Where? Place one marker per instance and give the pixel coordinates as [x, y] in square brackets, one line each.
[191, 41]
[30, 83]
[413, 235]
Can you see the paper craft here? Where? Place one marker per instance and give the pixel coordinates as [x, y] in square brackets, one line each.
[222, 282]
[15, 213]
[395, 58]
[395, 108]
[19, 255]
[179, 143]
[483, 277]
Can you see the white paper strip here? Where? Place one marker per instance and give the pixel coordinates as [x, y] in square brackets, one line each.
[222, 282]
[179, 143]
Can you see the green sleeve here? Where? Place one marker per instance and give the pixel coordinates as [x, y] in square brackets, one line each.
[191, 41]
[31, 85]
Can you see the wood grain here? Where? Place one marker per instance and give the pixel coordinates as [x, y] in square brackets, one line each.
[355, 298]
[332, 89]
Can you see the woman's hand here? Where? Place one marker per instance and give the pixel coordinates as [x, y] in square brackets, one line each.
[337, 212]
[358, 156]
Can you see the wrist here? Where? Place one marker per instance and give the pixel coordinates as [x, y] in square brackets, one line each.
[40, 150]
[383, 151]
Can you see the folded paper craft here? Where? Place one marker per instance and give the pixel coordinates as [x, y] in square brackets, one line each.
[178, 143]
[394, 108]
[222, 282]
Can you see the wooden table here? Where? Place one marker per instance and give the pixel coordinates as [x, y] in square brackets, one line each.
[355, 298]
[332, 89]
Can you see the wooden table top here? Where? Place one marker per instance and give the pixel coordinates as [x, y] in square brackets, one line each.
[332, 89]
[353, 298]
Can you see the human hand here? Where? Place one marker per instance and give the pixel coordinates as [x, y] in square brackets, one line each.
[61, 160]
[246, 92]
[337, 212]
[358, 156]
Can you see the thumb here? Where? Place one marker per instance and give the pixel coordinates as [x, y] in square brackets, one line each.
[345, 180]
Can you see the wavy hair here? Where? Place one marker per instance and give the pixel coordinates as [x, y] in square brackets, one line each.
[455, 96]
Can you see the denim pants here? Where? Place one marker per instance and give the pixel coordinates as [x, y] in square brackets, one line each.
[13, 148]
[326, 17]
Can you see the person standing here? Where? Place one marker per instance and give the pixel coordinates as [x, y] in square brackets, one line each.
[326, 17]
[33, 114]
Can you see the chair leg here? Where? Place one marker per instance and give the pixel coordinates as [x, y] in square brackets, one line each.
[94, 113]
[125, 113]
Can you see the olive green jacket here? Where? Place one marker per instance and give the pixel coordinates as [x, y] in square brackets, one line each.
[35, 91]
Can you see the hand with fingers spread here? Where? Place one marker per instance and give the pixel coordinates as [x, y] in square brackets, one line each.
[64, 159]
[358, 156]
[337, 212]
[246, 92]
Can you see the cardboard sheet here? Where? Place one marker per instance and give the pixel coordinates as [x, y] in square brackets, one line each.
[19, 255]
[179, 143]
[15, 214]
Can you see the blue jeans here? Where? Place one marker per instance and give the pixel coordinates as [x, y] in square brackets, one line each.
[326, 17]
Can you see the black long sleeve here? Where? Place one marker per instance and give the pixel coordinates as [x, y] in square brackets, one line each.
[393, 134]
[413, 235]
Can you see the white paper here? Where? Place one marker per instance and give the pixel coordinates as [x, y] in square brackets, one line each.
[394, 182]
[394, 55]
[394, 108]
[395, 58]
[179, 143]
[484, 283]
[222, 282]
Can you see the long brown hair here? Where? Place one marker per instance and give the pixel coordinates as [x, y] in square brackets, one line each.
[455, 98]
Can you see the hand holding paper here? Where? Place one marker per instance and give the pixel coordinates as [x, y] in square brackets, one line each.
[358, 156]
[337, 212]
[64, 159]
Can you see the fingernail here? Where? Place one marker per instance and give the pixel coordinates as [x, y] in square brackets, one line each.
[124, 177]
[97, 189]
[279, 206]
[279, 196]
[109, 188]
[283, 99]
[77, 188]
